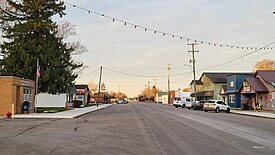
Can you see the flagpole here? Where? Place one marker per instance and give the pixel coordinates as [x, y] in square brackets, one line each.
[36, 90]
[36, 83]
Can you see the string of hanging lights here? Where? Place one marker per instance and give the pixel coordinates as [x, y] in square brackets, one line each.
[146, 29]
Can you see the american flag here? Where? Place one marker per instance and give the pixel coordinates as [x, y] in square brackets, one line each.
[37, 69]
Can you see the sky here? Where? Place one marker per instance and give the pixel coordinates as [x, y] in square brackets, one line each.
[132, 57]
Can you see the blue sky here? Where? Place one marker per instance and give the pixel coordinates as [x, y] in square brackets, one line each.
[246, 23]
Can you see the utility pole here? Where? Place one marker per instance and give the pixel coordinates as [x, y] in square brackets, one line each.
[194, 67]
[99, 86]
[155, 80]
[168, 80]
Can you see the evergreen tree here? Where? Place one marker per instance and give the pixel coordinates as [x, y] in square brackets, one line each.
[29, 34]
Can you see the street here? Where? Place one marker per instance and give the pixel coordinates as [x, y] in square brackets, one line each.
[140, 128]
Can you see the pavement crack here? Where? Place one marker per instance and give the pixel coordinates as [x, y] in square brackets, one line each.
[28, 129]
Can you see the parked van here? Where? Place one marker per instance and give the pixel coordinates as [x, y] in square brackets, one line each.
[182, 101]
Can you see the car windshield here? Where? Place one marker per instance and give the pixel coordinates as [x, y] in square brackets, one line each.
[177, 98]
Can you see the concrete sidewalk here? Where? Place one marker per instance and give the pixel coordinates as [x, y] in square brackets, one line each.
[262, 114]
[77, 112]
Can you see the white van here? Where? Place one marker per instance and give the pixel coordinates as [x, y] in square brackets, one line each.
[182, 101]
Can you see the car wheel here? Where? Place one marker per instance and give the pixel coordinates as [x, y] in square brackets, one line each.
[217, 110]
[189, 108]
[205, 110]
[227, 110]
[183, 106]
[176, 106]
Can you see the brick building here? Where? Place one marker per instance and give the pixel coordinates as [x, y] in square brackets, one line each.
[15, 90]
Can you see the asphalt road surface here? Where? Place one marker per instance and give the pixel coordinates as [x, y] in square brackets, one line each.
[140, 128]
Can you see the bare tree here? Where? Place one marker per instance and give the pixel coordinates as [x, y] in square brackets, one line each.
[265, 64]
[121, 95]
[66, 29]
[93, 87]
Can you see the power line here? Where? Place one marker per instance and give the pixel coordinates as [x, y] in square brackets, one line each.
[237, 58]
[138, 75]
[145, 28]
[89, 73]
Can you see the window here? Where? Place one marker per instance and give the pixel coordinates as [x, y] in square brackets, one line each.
[232, 84]
[232, 98]
[79, 97]
[220, 102]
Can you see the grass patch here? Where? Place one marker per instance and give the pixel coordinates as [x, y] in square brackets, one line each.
[51, 109]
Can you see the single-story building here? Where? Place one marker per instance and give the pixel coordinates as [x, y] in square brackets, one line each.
[16, 90]
[82, 93]
[161, 97]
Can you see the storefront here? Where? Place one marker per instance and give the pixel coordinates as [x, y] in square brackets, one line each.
[16, 90]
[253, 92]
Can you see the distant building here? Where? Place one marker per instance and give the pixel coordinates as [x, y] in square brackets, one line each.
[103, 97]
[161, 97]
[82, 93]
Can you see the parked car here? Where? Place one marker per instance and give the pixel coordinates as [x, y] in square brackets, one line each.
[199, 105]
[216, 105]
[190, 104]
[122, 101]
[181, 101]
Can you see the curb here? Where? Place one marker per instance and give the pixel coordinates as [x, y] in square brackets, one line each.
[268, 117]
[60, 117]
[92, 111]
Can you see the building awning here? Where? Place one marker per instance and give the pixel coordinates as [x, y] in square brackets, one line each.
[204, 94]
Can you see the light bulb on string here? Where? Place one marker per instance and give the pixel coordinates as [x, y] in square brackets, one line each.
[164, 33]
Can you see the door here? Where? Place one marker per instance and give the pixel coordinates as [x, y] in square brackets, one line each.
[27, 93]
